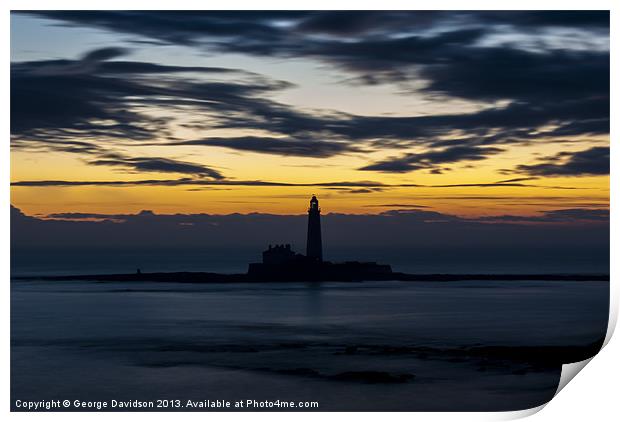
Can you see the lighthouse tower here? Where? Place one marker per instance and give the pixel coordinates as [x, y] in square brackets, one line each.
[314, 245]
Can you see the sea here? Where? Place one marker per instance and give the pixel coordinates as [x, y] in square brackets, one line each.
[367, 346]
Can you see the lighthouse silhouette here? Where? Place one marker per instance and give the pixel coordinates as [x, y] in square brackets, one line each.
[314, 245]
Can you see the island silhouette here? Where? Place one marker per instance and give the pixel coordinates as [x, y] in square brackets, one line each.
[280, 263]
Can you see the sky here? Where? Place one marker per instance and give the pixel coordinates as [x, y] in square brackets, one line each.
[476, 115]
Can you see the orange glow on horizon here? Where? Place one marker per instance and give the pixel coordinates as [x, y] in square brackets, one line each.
[470, 199]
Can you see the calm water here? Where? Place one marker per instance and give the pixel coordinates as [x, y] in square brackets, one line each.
[349, 346]
[427, 260]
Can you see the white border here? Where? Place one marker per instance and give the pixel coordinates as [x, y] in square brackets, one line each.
[592, 396]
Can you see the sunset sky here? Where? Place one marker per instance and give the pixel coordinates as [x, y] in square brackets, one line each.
[464, 113]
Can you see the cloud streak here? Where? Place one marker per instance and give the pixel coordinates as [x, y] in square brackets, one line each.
[155, 165]
[280, 146]
[432, 159]
[590, 162]
[352, 186]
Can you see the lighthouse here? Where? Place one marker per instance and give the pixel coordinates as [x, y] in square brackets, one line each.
[314, 245]
[282, 263]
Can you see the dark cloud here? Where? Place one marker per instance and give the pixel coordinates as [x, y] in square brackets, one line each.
[103, 54]
[345, 23]
[548, 18]
[500, 184]
[260, 27]
[363, 190]
[517, 179]
[590, 162]
[156, 165]
[503, 73]
[197, 182]
[181, 27]
[53, 101]
[279, 146]
[581, 127]
[391, 46]
[396, 206]
[86, 216]
[431, 159]
[553, 216]
[571, 215]
[578, 214]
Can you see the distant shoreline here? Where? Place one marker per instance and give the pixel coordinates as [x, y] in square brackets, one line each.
[207, 277]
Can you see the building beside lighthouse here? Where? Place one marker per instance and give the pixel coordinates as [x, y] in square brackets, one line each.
[282, 263]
